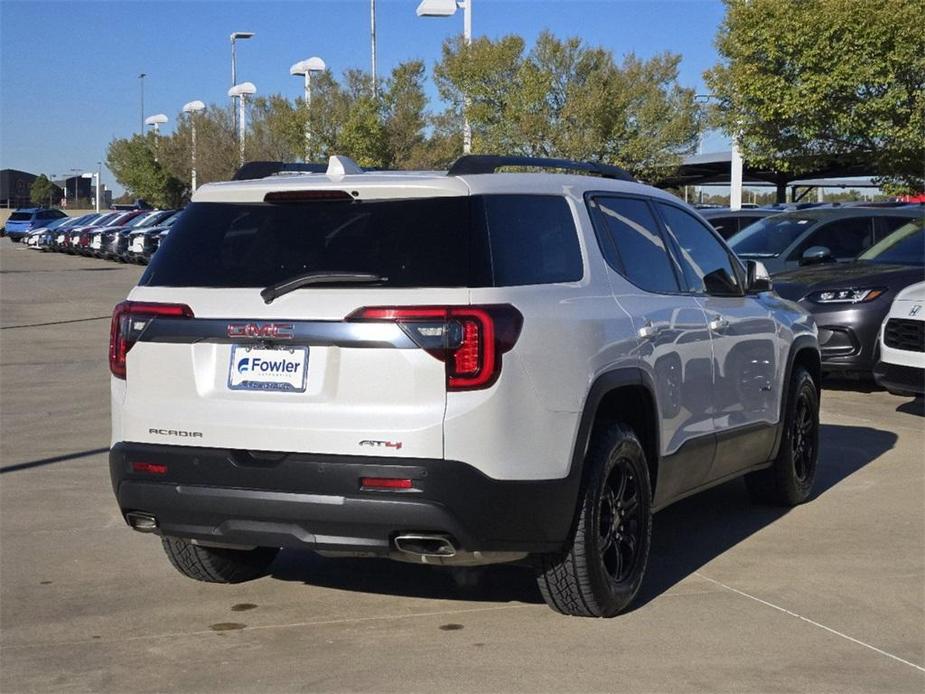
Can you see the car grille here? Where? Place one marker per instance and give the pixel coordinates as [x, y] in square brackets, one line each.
[901, 333]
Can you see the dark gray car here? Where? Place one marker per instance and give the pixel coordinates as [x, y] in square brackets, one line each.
[805, 237]
[850, 300]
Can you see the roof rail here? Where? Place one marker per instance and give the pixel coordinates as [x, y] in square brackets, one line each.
[262, 169]
[489, 163]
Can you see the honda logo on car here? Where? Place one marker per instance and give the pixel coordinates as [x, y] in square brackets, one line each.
[256, 364]
[281, 331]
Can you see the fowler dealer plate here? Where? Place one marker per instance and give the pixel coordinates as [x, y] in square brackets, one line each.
[255, 368]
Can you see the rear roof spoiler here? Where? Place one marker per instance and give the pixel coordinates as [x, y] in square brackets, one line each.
[263, 169]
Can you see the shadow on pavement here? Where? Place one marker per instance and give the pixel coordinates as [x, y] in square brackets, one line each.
[696, 530]
[686, 536]
[49, 461]
[916, 407]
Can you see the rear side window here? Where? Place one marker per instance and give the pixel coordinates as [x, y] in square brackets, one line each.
[631, 242]
[411, 243]
[532, 239]
[20, 216]
[845, 238]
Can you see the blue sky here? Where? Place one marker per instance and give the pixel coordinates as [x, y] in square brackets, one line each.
[68, 70]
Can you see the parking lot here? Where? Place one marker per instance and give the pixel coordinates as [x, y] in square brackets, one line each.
[829, 596]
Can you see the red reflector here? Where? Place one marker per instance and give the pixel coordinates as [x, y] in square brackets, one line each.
[308, 196]
[385, 483]
[150, 468]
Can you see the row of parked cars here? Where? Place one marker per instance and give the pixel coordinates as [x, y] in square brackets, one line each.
[128, 236]
[845, 265]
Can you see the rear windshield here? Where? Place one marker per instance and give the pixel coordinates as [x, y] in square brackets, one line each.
[771, 236]
[20, 216]
[421, 242]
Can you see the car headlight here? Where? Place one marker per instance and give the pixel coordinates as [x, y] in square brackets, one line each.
[845, 296]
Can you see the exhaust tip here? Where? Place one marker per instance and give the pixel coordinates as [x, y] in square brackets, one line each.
[142, 522]
[425, 545]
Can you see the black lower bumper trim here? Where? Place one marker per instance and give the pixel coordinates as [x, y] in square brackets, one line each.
[900, 379]
[315, 501]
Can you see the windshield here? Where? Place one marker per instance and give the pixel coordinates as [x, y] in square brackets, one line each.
[905, 246]
[771, 236]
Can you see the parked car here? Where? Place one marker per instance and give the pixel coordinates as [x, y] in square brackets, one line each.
[80, 241]
[25, 219]
[106, 243]
[65, 240]
[901, 369]
[805, 237]
[850, 300]
[728, 223]
[34, 237]
[49, 241]
[142, 243]
[463, 368]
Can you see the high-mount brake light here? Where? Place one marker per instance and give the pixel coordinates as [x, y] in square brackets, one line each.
[283, 196]
[469, 339]
[129, 319]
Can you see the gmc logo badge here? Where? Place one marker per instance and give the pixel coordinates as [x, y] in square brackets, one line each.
[280, 331]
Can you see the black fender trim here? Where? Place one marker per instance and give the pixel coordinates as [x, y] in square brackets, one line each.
[800, 343]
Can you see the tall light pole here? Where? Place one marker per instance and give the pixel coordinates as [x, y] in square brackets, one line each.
[447, 8]
[235, 36]
[305, 68]
[74, 173]
[99, 171]
[141, 79]
[192, 108]
[156, 121]
[372, 39]
[242, 91]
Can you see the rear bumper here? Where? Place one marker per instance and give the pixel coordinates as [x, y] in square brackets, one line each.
[314, 501]
[900, 379]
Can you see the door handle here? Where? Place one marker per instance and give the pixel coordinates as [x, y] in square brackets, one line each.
[719, 323]
[648, 330]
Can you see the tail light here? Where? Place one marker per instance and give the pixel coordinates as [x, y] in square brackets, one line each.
[468, 339]
[129, 319]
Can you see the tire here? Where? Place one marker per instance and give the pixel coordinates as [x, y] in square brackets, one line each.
[789, 480]
[215, 565]
[600, 572]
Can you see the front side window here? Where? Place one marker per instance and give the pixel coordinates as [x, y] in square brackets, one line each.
[632, 244]
[707, 266]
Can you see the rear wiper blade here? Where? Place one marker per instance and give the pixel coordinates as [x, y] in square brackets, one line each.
[323, 277]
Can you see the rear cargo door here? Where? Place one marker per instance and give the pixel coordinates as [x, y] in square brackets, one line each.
[293, 374]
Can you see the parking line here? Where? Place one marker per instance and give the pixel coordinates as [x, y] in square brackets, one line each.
[809, 621]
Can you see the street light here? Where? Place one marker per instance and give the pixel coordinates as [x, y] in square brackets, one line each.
[141, 79]
[91, 175]
[447, 8]
[242, 91]
[306, 68]
[192, 108]
[156, 121]
[242, 35]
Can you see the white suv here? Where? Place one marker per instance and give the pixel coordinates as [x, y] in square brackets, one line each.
[458, 368]
[901, 369]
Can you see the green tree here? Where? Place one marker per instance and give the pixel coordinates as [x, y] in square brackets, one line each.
[42, 191]
[134, 165]
[566, 99]
[808, 85]
[404, 105]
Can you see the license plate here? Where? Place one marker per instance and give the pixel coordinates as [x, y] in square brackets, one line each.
[97, 242]
[138, 245]
[61, 239]
[256, 368]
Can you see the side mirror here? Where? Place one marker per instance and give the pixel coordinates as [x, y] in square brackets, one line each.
[815, 255]
[758, 279]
